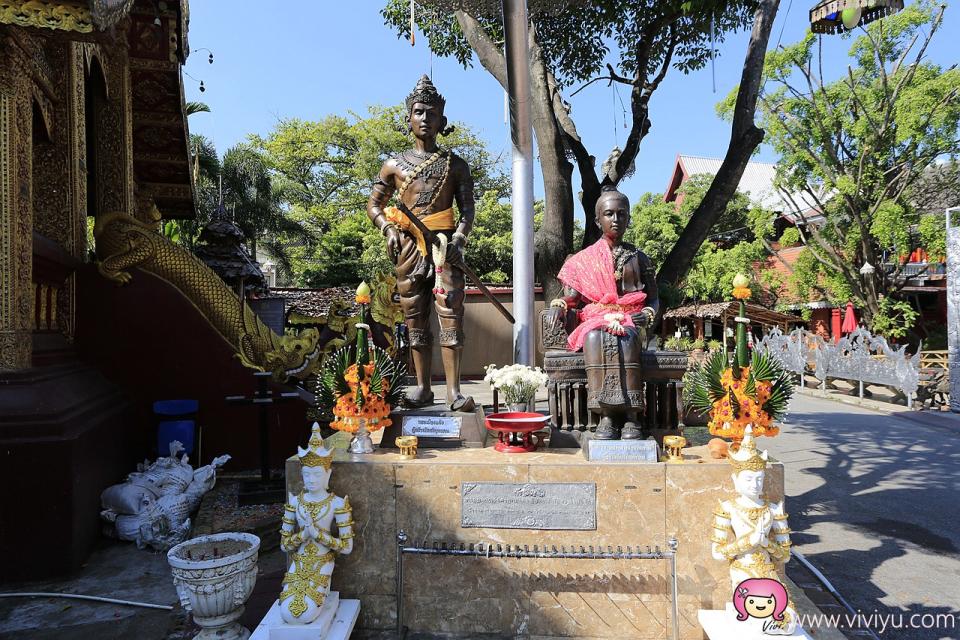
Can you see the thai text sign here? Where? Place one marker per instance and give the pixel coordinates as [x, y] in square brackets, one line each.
[549, 505]
[432, 426]
[631, 451]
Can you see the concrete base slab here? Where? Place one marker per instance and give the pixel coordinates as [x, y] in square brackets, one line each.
[335, 622]
[722, 624]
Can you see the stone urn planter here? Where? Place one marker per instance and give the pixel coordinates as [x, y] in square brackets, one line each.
[214, 575]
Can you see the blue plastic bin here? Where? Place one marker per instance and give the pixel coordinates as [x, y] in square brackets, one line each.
[177, 420]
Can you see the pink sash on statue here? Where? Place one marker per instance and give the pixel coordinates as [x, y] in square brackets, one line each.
[590, 272]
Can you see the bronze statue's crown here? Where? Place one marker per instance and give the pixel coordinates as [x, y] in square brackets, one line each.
[425, 93]
[748, 457]
[315, 455]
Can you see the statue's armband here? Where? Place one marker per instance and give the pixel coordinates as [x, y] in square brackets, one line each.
[344, 518]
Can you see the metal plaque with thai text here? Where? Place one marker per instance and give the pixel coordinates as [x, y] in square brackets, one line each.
[630, 451]
[432, 426]
[545, 505]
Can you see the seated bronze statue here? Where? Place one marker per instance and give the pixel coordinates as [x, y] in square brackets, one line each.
[613, 287]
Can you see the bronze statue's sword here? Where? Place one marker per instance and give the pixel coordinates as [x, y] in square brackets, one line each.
[432, 239]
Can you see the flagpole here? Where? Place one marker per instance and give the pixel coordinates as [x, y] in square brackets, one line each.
[521, 135]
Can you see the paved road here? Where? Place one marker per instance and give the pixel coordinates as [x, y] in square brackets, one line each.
[874, 503]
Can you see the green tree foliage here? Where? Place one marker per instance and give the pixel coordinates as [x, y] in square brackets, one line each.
[857, 146]
[322, 171]
[250, 200]
[194, 106]
[254, 204]
[206, 175]
[736, 245]
[895, 318]
[490, 251]
[654, 226]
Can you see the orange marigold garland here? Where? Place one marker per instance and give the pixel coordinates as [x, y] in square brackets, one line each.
[750, 389]
[361, 383]
[728, 422]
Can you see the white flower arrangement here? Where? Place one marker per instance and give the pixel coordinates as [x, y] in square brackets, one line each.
[517, 382]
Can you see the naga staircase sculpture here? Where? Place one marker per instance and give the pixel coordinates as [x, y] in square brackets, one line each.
[123, 242]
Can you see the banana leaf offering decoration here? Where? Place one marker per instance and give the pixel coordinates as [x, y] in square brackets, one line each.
[750, 390]
[361, 382]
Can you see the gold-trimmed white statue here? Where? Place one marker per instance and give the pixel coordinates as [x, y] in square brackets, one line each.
[752, 534]
[307, 535]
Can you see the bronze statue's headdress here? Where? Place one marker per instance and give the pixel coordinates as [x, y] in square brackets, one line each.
[425, 93]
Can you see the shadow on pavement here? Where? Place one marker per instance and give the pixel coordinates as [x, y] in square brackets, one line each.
[877, 510]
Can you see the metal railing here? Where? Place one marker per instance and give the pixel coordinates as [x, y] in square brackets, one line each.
[916, 269]
[858, 357]
[575, 552]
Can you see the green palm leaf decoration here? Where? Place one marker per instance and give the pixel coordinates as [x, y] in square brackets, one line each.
[780, 394]
[734, 405]
[701, 386]
[722, 389]
[376, 380]
[324, 395]
[763, 367]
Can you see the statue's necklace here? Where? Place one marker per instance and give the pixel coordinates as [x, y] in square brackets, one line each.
[751, 513]
[316, 509]
[429, 168]
[621, 255]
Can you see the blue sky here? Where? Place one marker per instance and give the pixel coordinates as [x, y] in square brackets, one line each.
[309, 59]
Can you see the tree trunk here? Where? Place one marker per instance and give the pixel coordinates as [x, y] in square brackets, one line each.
[745, 136]
[588, 200]
[554, 241]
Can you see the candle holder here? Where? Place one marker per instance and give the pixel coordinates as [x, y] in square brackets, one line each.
[407, 446]
[673, 448]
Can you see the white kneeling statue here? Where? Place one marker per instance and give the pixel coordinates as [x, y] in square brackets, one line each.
[307, 535]
[752, 534]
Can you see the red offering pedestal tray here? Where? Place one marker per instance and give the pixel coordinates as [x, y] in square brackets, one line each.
[515, 430]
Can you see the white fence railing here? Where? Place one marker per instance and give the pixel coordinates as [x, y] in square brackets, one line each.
[859, 357]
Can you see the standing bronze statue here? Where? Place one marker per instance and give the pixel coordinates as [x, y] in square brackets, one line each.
[613, 286]
[427, 180]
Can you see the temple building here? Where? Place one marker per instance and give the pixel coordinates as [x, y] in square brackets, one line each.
[757, 182]
[94, 143]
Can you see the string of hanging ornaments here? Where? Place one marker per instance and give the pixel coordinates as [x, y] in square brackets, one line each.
[837, 16]
[209, 61]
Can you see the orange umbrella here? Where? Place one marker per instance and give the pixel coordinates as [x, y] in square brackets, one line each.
[849, 320]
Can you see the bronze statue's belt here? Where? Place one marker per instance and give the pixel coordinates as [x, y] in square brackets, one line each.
[440, 221]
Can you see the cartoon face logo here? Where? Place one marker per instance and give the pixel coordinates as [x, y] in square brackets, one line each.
[759, 607]
[760, 598]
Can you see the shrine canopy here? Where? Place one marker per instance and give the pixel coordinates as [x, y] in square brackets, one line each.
[729, 310]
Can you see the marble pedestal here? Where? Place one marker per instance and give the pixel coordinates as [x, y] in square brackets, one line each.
[335, 622]
[637, 504]
[722, 624]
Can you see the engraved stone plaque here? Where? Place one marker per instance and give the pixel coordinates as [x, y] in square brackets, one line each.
[432, 426]
[546, 505]
[620, 450]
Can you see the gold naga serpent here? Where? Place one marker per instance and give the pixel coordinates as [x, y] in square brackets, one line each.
[123, 242]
